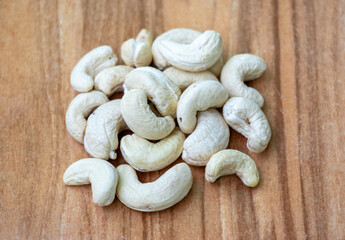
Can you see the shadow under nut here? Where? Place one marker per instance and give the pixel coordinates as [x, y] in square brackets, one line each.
[141, 120]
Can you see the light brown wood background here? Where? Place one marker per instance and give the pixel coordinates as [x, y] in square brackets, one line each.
[301, 194]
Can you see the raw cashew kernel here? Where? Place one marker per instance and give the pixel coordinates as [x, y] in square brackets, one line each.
[216, 69]
[141, 120]
[145, 156]
[183, 78]
[110, 80]
[79, 109]
[210, 136]
[199, 96]
[137, 53]
[90, 65]
[160, 90]
[246, 117]
[239, 68]
[102, 128]
[161, 194]
[228, 162]
[201, 54]
[101, 174]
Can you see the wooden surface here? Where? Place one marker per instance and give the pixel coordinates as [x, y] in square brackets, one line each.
[301, 194]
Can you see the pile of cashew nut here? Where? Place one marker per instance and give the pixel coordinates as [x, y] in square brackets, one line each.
[179, 99]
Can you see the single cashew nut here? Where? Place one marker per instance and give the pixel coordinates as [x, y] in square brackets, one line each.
[101, 174]
[141, 120]
[103, 125]
[246, 117]
[110, 80]
[160, 90]
[79, 109]
[199, 96]
[183, 78]
[216, 69]
[145, 156]
[228, 162]
[161, 194]
[210, 136]
[137, 53]
[239, 68]
[90, 65]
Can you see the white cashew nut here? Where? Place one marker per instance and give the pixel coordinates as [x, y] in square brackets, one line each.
[102, 128]
[210, 136]
[110, 80]
[141, 120]
[79, 109]
[161, 194]
[216, 69]
[137, 53]
[160, 90]
[183, 78]
[246, 117]
[187, 49]
[239, 68]
[101, 174]
[145, 156]
[90, 65]
[228, 162]
[199, 96]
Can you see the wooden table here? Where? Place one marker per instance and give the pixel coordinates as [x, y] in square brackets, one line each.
[301, 194]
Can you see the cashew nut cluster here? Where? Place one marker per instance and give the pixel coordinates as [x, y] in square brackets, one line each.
[101, 174]
[239, 68]
[183, 84]
[228, 162]
[83, 74]
[246, 117]
[103, 125]
[211, 135]
[161, 194]
[137, 52]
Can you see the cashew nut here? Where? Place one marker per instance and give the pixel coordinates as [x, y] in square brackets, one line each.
[101, 174]
[110, 80]
[216, 69]
[141, 120]
[102, 128]
[79, 109]
[199, 96]
[239, 68]
[228, 162]
[137, 53]
[160, 90]
[183, 78]
[246, 117]
[210, 136]
[145, 156]
[161, 194]
[90, 65]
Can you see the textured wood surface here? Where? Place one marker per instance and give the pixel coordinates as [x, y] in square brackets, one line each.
[301, 194]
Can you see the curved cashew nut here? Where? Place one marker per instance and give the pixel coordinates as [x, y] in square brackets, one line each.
[239, 68]
[210, 136]
[201, 54]
[141, 120]
[199, 96]
[101, 174]
[137, 53]
[90, 65]
[160, 90]
[110, 80]
[246, 117]
[102, 128]
[183, 78]
[79, 109]
[145, 156]
[161, 194]
[216, 69]
[228, 162]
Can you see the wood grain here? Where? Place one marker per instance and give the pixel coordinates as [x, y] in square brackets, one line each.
[302, 190]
